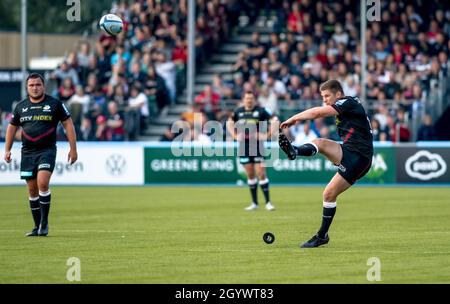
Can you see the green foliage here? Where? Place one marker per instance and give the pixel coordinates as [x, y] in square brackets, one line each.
[50, 16]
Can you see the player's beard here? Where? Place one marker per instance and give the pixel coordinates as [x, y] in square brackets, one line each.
[36, 97]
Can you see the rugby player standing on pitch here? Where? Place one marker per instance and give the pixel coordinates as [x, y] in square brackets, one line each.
[39, 115]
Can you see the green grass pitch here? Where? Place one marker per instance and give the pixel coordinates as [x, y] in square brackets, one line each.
[203, 235]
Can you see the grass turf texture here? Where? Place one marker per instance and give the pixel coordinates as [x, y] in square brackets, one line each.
[203, 235]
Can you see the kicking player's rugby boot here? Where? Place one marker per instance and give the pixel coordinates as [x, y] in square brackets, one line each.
[286, 146]
[315, 241]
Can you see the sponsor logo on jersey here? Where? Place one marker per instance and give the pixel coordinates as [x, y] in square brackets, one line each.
[42, 117]
[47, 109]
[24, 110]
[26, 118]
[425, 165]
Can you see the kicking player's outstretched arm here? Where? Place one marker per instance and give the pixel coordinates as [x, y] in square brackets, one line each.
[9, 140]
[310, 114]
[72, 138]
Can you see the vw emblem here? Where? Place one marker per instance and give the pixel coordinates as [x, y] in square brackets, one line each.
[116, 164]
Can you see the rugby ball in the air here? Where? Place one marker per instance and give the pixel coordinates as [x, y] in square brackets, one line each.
[111, 24]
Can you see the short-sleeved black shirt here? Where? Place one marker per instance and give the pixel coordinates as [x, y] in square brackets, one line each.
[250, 119]
[39, 122]
[354, 126]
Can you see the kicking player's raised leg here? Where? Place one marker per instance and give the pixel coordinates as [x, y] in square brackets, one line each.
[331, 149]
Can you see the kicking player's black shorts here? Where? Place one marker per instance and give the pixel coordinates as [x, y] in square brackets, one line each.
[32, 162]
[353, 165]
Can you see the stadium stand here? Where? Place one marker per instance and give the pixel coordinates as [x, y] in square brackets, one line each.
[304, 43]
[281, 50]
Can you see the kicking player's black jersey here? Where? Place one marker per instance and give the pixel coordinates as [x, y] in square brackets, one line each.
[354, 126]
[249, 120]
[39, 122]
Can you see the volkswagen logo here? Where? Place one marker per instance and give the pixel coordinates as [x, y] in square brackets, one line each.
[116, 164]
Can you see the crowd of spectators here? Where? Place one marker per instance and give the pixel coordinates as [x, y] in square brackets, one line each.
[113, 87]
[313, 41]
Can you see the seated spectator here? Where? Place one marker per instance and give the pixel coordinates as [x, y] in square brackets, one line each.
[237, 85]
[179, 53]
[101, 133]
[255, 49]
[120, 97]
[294, 90]
[136, 74]
[268, 100]
[167, 70]
[138, 102]
[87, 130]
[66, 90]
[155, 87]
[115, 123]
[208, 102]
[427, 132]
[120, 55]
[302, 133]
[379, 134]
[78, 106]
[276, 86]
[63, 72]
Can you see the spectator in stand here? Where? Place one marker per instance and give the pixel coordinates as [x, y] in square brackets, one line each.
[115, 123]
[155, 87]
[78, 106]
[66, 90]
[136, 74]
[255, 49]
[208, 102]
[63, 72]
[379, 134]
[427, 132]
[101, 133]
[238, 85]
[268, 99]
[302, 133]
[276, 86]
[138, 103]
[167, 70]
